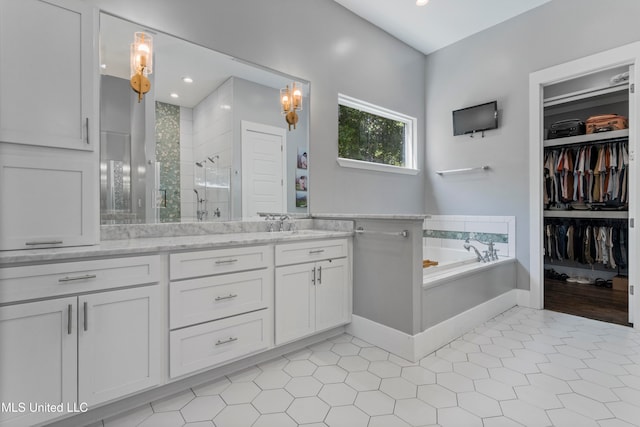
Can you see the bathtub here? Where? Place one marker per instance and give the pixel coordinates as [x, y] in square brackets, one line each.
[459, 282]
[447, 258]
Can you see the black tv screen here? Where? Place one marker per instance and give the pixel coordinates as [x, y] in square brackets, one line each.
[475, 119]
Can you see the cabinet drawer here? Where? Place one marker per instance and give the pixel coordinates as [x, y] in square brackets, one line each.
[47, 280]
[314, 250]
[210, 344]
[204, 263]
[210, 298]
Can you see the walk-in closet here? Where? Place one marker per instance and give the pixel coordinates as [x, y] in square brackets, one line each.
[585, 194]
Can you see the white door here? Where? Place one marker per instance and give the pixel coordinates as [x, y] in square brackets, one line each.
[48, 73]
[263, 165]
[332, 293]
[38, 341]
[294, 302]
[49, 198]
[119, 343]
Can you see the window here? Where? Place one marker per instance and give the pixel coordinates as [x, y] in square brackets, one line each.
[372, 137]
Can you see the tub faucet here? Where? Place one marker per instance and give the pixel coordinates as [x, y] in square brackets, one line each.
[468, 246]
[491, 254]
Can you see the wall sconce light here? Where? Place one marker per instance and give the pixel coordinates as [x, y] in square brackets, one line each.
[291, 101]
[141, 63]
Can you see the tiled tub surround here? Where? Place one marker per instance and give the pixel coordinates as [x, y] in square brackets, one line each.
[450, 231]
[473, 291]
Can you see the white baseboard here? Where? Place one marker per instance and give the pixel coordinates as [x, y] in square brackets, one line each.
[523, 298]
[415, 347]
[443, 333]
[392, 340]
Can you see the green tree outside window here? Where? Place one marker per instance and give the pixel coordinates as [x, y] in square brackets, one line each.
[370, 138]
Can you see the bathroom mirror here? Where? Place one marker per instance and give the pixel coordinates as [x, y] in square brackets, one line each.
[204, 144]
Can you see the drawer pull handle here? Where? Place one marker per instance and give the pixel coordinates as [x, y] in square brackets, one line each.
[48, 242]
[69, 318]
[72, 279]
[88, 133]
[86, 320]
[316, 251]
[226, 261]
[230, 296]
[227, 341]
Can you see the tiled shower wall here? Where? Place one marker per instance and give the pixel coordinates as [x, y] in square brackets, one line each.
[187, 165]
[168, 155]
[213, 137]
[450, 231]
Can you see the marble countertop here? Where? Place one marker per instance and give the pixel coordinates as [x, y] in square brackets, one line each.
[149, 245]
[371, 216]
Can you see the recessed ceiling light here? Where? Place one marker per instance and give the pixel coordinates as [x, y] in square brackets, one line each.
[187, 79]
[421, 2]
[174, 95]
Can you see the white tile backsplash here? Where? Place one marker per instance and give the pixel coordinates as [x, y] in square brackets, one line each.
[472, 224]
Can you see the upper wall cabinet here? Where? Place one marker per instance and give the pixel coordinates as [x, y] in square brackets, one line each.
[48, 73]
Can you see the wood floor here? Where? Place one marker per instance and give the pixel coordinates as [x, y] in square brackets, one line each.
[588, 301]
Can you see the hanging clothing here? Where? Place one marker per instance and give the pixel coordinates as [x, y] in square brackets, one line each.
[587, 241]
[592, 173]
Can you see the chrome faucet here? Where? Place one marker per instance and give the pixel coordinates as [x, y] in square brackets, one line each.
[491, 254]
[269, 218]
[468, 246]
[283, 219]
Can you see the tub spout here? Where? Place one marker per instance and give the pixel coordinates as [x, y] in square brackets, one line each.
[468, 246]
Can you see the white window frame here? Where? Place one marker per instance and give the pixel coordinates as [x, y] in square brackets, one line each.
[410, 143]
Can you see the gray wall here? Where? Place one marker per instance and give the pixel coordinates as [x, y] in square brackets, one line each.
[387, 273]
[257, 103]
[336, 51]
[495, 64]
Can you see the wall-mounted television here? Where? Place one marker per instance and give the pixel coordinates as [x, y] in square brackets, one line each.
[475, 119]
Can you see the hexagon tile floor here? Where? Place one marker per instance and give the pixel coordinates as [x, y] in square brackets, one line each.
[524, 367]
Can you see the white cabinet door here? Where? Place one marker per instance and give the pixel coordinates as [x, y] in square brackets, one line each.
[332, 294]
[294, 302]
[119, 343]
[49, 198]
[48, 73]
[38, 342]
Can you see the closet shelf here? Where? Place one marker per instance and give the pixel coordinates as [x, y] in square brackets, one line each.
[585, 94]
[586, 214]
[592, 137]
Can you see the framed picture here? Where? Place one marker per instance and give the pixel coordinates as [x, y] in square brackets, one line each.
[301, 180]
[303, 158]
[301, 199]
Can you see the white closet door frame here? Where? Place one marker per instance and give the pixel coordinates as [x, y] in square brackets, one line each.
[624, 55]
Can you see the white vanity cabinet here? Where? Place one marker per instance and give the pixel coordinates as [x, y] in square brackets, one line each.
[48, 73]
[48, 124]
[221, 306]
[312, 288]
[39, 354]
[49, 198]
[92, 341]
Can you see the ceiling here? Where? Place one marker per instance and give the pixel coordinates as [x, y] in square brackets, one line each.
[174, 59]
[440, 22]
